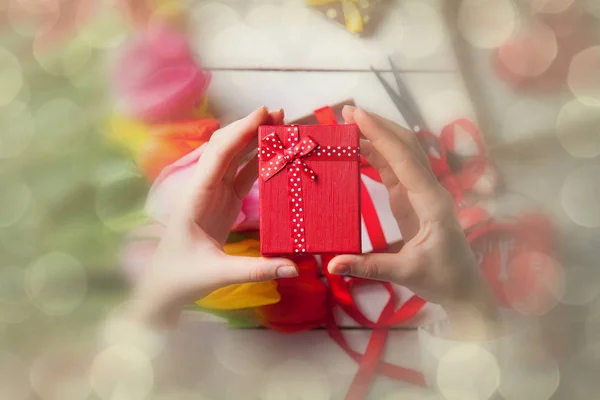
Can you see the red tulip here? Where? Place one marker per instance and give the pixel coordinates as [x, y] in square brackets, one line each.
[303, 303]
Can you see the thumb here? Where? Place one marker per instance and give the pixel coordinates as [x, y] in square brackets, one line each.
[383, 267]
[258, 269]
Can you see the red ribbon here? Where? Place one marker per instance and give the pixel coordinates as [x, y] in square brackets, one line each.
[272, 149]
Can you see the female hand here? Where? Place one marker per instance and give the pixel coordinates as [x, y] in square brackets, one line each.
[189, 262]
[436, 262]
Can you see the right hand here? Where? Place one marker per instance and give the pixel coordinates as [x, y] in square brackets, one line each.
[436, 261]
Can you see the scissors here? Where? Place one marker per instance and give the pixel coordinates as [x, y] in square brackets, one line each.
[402, 99]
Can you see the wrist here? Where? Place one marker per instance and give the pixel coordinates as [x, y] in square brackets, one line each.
[474, 314]
[153, 309]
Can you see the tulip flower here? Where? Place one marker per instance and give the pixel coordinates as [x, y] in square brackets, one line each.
[303, 303]
[171, 181]
[156, 78]
[154, 147]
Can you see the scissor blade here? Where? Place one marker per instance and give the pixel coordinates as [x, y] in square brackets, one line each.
[390, 91]
[411, 119]
[406, 96]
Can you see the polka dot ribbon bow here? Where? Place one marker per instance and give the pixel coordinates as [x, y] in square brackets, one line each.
[272, 149]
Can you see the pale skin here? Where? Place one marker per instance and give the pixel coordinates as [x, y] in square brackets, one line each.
[436, 261]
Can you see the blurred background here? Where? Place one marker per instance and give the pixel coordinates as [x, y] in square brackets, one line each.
[97, 97]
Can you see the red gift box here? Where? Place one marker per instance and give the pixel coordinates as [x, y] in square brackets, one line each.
[309, 183]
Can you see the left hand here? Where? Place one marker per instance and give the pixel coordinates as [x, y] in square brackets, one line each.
[190, 262]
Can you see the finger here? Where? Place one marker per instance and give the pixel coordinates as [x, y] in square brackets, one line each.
[428, 199]
[382, 267]
[226, 144]
[378, 162]
[257, 269]
[408, 222]
[245, 154]
[275, 118]
[348, 114]
[246, 177]
[407, 136]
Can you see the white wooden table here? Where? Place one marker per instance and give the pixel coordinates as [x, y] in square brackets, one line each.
[285, 55]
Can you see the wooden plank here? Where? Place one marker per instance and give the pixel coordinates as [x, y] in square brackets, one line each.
[241, 34]
[441, 96]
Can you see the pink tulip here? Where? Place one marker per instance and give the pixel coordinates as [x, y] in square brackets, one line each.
[166, 190]
[156, 77]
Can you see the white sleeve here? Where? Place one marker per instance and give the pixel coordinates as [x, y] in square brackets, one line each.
[513, 364]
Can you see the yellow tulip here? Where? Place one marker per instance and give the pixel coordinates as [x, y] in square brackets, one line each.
[245, 295]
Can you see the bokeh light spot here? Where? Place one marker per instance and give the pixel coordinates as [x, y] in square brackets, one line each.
[274, 20]
[582, 285]
[56, 283]
[17, 131]
[295, 379]
[107, 27]
[445, 106]
[209, 18]
[419, 40]
[60, 125]
[15, 199]
[74, 56]
[584, 76]
[23, 238]
[119, 330]
[530, 52]
[237, 356]
[536, 283]
[252, 45]
[14, 383]
[550, 6]
[67, 60]
[578, 129]
[14, 303]
[61, 373]
[538, 383]
[122, 373]
[33, 17]
[580, 194]
[487, 23]
[11, 77]
[468, 372]
[525, 119]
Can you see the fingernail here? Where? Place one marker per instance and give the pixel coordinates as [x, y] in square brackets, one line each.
[339, 269]
[349, 108]
[359, 110]
[286, 271]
